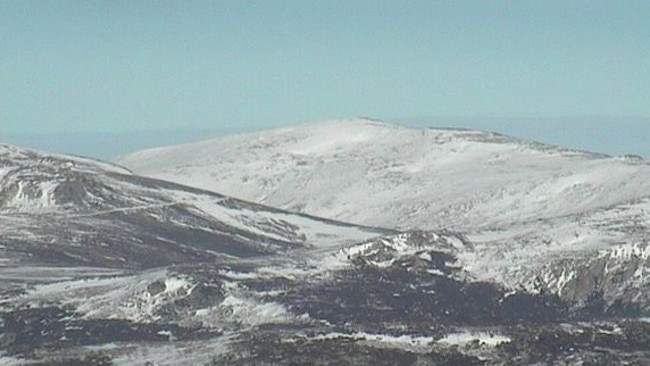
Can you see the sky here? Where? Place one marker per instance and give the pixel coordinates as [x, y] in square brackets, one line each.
[74, 68]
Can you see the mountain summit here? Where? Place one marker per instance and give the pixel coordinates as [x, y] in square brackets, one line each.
[373, 173]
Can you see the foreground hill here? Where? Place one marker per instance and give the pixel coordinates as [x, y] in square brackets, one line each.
[64, 210]
[91, 252]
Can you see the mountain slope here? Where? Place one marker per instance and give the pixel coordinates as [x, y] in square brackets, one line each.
[95, 255]
[99, 266]
[533, 212]
[371, 173]
[64, 201]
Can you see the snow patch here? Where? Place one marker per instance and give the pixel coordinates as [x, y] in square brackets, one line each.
[250, 312]
[408, 340]
[464, 338]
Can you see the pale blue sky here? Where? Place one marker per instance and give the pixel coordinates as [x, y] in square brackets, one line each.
[116, 66]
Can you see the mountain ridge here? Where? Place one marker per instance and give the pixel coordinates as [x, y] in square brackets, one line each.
[261, 166]
[99, 265]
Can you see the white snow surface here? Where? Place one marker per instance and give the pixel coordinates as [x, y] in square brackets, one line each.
[275, 224]
[462, 338]
[371, 173]
[410, 341]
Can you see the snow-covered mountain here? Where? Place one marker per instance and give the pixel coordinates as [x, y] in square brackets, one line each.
[101, 266]
[372, 173]
[535, 214]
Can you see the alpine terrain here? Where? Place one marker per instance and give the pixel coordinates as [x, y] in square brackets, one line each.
[539, 217]
[346, 242]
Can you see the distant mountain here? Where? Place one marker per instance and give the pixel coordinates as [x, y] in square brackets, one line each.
[533, 212]
[101, 266]
[611, 135]
[372, 173]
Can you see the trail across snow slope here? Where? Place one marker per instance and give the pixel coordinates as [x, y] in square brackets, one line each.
[366, 172]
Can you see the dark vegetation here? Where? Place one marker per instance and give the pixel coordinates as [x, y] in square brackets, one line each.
[27, 330]
[406, 296]
[269, 349]
[625, 343]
